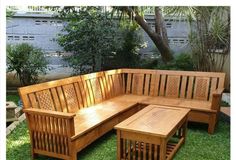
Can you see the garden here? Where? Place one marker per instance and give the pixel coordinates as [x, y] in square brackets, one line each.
[114, 78]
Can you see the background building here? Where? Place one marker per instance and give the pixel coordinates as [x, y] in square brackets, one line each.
[39, 27]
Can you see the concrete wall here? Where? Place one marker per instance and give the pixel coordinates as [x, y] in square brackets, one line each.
[38, 31]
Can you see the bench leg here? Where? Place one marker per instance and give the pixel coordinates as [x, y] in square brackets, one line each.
[74, 156]
[212, 124]
[34, 156]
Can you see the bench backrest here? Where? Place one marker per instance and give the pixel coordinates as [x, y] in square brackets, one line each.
[173, 84]
[59, 95]
[74, 93]
[115, 83]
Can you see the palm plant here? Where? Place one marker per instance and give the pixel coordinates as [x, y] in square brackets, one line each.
[209, 36]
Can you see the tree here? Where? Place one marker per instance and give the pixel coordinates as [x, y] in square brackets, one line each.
[209, 37]
[158, 36]
[127, 56]
[27, 61]
[9, 12]
[91, 35]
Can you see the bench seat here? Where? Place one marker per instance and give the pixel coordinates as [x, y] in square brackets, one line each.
[88, 118]
[179, 102]
[197, 105]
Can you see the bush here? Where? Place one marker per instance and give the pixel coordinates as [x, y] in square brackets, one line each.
[27, 61]
[182, 61]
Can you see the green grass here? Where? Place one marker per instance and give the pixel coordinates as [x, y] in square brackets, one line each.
[199, 145]
[13, 97]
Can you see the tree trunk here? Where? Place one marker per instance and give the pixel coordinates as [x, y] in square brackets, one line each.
[155, 37]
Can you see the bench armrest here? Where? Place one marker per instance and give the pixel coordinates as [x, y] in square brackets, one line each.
[53, 122]
[49, 113]
[218, 92]
[216, 99]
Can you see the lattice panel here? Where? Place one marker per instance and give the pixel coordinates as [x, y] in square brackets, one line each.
[201, 88]
[70, 96]
[97, 92]
[172, 86]
[45, 100]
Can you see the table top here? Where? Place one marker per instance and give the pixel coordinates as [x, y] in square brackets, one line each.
[154, 120]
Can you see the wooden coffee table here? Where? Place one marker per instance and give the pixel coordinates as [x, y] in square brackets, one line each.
[154, 133]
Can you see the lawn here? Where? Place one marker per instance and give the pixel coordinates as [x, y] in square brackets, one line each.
[13, 97]
[199, 145]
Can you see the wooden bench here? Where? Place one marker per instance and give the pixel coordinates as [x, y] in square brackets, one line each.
[65, 116]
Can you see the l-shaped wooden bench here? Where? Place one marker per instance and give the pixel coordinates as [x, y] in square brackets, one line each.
[65, 116]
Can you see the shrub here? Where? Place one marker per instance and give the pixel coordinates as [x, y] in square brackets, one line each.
[27, 61]
[182, 61]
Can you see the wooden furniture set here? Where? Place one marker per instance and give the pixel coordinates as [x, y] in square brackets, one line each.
[65, 116]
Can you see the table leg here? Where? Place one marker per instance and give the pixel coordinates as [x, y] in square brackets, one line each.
[163, 149]
[118, 145]
[184, 129]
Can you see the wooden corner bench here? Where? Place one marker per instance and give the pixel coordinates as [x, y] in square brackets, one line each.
[65, 116]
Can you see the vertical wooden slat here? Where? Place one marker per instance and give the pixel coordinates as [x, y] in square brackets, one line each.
[129, 149]
[56, 100]
[146, 85]
[112, 93]
[213, 86]
[50, 134]
[190, 87]
[183, 87]
[134, 150]
[105, 84]
[124, 148]
[102, 86]
[108, 86]
[46, 134]
[35, 131]
[120, 80]
[79, 96]
[41, 133]
[33, 101]
[144, 151]
[163, 83]
[67, 135]
[128, 89]
[155, 151]
[153, 84]
[123, 83]
[140, 84]
[150, 152]
[60, 124]
[221, 81]
[53, 134]
[62, 99]
[137, 84]
[139, 150]
[83, 94]
[86, 91]
[90, 92]
[116, 84]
